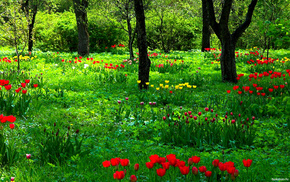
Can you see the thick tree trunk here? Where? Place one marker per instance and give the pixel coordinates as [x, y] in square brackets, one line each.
[30, 30]
[227, 60]
[144, 61]
[82, 24]
[205, 28]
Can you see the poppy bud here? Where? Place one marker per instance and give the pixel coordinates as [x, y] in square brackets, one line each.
[54, 124]
[211, 110]
[77, 131]
[136, 167]
[68, 127]
[205, 119]
[164, 117]
[168, 115]
[44, 130]
[56, 134]
[172, 113]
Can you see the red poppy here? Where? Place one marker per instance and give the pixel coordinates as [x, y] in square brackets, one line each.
[231, 170]
[162, 159]
[24, 91]
[270, 90]
[240, 92]
[124, 162]
[171, 159]
[228, 91]
[255, 85]
[23, 85]
[10, 118]
[250, 91]
[208, 174]
[170, 91]
[35, 85]
[248, 162]
[184, 170]
[282, 86]
[235, 87]
[276, 87]
[190, 161]
[161, 172]
[149, 165]
[263, 94]
[106, 163]
[27, 81]
[180, 164]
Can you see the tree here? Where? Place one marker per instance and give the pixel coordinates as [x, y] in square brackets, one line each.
[126, 12]
[144, 61]
[80, 7]
[14, 27]
[30, 8]
[205, 28]
[228, 39]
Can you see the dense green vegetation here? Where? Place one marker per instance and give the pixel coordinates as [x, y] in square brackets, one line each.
[85, 96]
[65, 117]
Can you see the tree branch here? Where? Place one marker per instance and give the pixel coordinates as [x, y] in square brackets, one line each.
[226, 13]
[212, 20]
[240, 30]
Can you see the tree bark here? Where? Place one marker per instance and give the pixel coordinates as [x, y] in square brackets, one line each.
[131, 38]
[228, 40]
[30, 29]
[205, 28]
[144, 61]
[82, 24]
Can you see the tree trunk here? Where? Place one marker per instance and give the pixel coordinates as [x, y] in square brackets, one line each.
[82, 24]
[144, 61]
[131, 38]
[205, 28]
[30, 30]
[227, 60]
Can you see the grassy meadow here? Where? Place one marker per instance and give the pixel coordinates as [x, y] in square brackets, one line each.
[80, 118]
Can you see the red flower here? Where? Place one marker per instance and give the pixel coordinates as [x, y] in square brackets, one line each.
[23, 85]
[263, 94]
[255, 85]
[166, 165]
[171, 159]
[10, 118]
[17, 90]
[162, 160]
[149, 165]
[270, 90]
[27, 81]
[170, 91]
[190, 161]
[133, 178]
[180, 164]
[194, 170]
[206, 109]
[195, 159]
[11, 126]
[215, 162]
[276, 87]
[35, 85]
[208, 174]
[202, 169]
[236, 173]
[235, 87]
[124, 162]
[240, 92]
[136, 167]
[24, 91]
[231, 170]
[222, 166]
[106, 163]
[154, 158]
[250, 91]
[228, 91]
[7, 87]
[184, 170]
[248, 162]
[161, 172]
[115, 161]
[282, 86]
[119, 175]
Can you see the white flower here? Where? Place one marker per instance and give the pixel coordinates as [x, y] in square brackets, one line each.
[73, 68]
[86, 65]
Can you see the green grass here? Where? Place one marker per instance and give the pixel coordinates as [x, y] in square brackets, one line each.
[85, 99]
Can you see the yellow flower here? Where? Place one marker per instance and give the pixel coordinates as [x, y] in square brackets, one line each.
[161, 85]
[193, 86]
[188, 86]
[147, 83]
[180, 88]
[157, 88]
[138, 81]
[177, 87]
[166, 86]
[152, 85]
[186, 83]
[166, 81]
